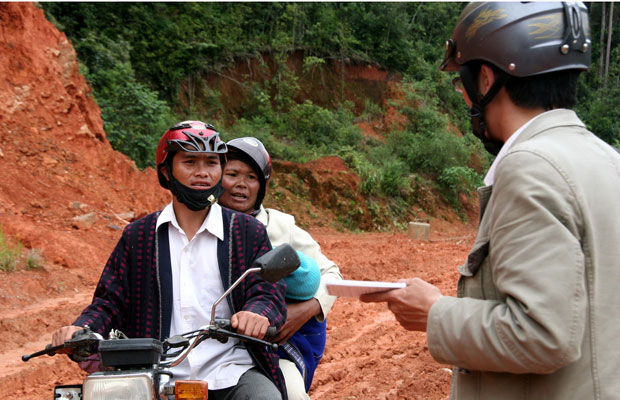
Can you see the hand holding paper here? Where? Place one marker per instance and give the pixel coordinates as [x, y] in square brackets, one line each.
[410, 305]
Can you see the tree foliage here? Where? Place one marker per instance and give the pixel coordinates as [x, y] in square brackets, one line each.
[142, 59]
[599, 103]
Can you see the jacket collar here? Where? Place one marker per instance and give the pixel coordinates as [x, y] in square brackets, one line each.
[554, 119]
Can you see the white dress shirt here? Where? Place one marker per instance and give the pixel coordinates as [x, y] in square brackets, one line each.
[196, 285]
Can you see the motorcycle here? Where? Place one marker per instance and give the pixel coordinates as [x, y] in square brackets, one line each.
[139, 368]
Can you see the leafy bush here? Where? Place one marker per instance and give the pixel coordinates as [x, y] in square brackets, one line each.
[459, 180]
[134, 118]
[430, 152]
[394, 177]
[310, 124]
[426, 144]
[388, 177]
[371, 111]
[370, 179]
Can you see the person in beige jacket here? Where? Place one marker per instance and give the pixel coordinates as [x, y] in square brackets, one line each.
[245, 180]
[538, 310]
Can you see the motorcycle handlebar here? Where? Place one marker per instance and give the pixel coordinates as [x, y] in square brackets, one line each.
[271, 334]
[220, 324]
[81, 341]
[49, 350]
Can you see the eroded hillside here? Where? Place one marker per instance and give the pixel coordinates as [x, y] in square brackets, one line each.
[66, 192]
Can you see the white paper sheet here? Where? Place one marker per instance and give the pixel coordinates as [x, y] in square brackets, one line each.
[349, 288]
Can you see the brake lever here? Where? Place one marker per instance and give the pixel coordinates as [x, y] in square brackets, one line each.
[222, 336]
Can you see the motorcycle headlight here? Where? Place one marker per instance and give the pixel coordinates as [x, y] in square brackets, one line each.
[135, 386]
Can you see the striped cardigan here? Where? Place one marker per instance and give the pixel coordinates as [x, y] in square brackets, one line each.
[134, 293]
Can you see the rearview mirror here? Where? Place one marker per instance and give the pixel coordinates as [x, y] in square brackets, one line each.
[278, 263]
[272, 266]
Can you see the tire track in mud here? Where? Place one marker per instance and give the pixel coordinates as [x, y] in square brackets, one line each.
[20, 328]
[29, 329]
[49, 303]
[369, 355]
[354, 345]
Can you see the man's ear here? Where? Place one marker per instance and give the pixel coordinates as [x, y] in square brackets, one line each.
[164, 171]
[486, 78]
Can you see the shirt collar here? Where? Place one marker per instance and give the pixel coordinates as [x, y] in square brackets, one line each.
[213, 223]
[489, 179]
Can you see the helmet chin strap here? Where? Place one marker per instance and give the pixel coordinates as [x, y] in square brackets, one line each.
[194, 199]
[479, 103]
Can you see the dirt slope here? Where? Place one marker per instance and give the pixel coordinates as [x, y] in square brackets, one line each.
[65, 192]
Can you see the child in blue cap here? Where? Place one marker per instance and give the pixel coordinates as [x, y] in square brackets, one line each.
[309, 341]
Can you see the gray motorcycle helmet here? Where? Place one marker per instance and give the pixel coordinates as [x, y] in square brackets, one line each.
[522, 39]
[252, 151]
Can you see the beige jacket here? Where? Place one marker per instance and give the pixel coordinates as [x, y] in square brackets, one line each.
[281, 228]
[538, 313]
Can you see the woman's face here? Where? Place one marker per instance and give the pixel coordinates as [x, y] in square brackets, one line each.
[242, 185]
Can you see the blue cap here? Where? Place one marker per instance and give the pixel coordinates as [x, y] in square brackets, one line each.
[303, 283]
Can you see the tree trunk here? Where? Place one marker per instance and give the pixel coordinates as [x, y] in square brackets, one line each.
[611, 15]
[191, 91]
[601, 65]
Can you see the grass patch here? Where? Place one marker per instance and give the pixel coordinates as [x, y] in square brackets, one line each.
[12, 257]
[34, 259]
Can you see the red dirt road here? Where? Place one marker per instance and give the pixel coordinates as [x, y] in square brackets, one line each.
[368, 354]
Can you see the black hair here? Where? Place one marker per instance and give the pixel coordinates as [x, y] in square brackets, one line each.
[550, 90]
[234, 154]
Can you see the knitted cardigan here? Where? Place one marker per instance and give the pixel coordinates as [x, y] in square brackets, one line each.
[134, 293]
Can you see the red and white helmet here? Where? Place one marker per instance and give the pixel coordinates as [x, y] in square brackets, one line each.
[191, 136]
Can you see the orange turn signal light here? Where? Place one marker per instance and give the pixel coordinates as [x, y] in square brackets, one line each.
[190, 390]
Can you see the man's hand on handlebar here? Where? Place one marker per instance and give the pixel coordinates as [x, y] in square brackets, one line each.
[250, 324]
[63, 334]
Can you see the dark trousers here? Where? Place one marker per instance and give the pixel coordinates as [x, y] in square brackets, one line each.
[252, 385]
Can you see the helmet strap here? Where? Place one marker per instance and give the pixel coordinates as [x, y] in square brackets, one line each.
[194, 199]
[469, 75]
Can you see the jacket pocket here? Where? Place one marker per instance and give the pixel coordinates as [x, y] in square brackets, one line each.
[475, 259]
[476, 280]
[470, 283]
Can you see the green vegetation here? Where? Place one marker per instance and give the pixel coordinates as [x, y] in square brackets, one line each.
[459, 181]
[34, 259]
[12, 257]
[10, 253]
[148, 65]
[599, 92]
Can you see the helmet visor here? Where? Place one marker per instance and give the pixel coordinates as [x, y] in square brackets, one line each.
[198, 144]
